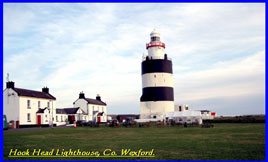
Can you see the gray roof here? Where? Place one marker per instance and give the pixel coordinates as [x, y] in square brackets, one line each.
[32, 93]
[204, 110]
[96, 102]
[72, 110]
[41, 110]
[60, 111]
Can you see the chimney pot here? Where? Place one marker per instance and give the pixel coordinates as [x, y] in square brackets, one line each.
[10, 84]
[98, 97]
[45, 90]
[81, 95]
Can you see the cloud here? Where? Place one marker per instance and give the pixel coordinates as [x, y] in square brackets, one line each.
[230, 78]
[240, 105]
[217, 50]
[15, 20]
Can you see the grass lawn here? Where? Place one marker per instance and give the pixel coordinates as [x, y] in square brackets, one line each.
[223, 142]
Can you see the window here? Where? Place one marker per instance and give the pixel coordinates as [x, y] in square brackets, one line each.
[45, 116]
[56, 118]
[39, 104]
[28, 104]
[155, 76]
[48, 104]
[28, 117]
[62, 118]
[186, 108]
[179, 108]
[155, 38]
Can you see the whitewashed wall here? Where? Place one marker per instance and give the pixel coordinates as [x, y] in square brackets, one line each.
[44, 117]
[82, 104]
[60, 119]
[11, 104]
[157, 80]
[156, 52]
[24, 110]
[99, 108]
[184, 107]
[89, 108]
[159, 109]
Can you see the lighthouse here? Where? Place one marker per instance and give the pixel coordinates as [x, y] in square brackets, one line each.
[157, 80]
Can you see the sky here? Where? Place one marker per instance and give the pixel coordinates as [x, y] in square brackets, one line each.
[217, 50]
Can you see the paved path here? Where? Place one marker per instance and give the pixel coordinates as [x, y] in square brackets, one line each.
[34, 128]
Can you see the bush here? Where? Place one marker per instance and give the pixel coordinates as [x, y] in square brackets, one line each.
[239, 119]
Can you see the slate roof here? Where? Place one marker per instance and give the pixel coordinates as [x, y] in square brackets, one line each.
[60, 111]
[204, 110]
[96, 102]
[100, 113]
[41, 110]
[32, 93]
[72, 110]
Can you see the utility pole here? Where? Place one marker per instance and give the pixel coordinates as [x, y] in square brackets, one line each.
[52, 114]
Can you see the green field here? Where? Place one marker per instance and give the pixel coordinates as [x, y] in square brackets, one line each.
[222, 142]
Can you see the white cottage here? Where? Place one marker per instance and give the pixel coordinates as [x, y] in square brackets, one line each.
[25, 107]
[69, 115]
[95, 109]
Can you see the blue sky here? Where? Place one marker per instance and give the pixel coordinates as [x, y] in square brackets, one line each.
[218, 52]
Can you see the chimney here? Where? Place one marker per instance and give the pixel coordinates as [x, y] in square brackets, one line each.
[45, 90]
[10, 84]
[81, 95]
[98, 97]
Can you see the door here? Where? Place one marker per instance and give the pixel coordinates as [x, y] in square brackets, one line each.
[17, 124]
[70, 119]
[39, 120]
[99, 119]
[73, 118]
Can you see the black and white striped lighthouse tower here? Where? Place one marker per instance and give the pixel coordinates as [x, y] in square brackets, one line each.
[157, 80]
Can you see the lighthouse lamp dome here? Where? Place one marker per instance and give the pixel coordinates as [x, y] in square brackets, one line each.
[155, 35]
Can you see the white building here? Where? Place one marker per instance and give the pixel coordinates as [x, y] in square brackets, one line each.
[69, 115]
[157, 81]
[186, 116]
[207, 115]
[182, 114]
[63, 116]
[181, 107]
[22, 106]
[95, 109]
[157, 100]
